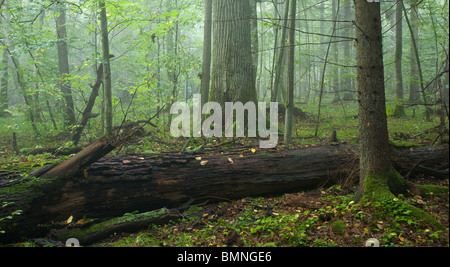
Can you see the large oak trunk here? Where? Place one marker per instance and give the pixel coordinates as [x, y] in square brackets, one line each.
[119, 184]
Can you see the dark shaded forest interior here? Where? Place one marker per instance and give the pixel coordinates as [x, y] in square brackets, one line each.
[223, 123]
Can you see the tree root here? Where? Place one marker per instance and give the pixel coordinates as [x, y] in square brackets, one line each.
[381, 188]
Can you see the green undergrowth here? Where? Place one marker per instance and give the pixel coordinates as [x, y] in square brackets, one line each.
[319, 218]
[411, 130]
[379, 189]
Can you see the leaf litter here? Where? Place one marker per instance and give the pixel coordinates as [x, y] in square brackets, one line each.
[295, 220]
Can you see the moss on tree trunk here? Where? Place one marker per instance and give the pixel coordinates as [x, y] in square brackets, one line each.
[383, 187]
[378, 185]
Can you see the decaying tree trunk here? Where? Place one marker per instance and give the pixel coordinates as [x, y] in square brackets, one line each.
[128, 223]
[121, 184]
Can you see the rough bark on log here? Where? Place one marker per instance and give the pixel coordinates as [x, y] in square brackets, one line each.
[117, 185]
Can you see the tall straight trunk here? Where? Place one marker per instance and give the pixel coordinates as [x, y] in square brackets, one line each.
[159, 96]
[254, 33]
[379, 181]
[4, 83]
[107, 91]
[4, 74]
[232, 68]
[63, 62]
[173, 66]
[274, 54]
[290, 75]
[334, 52]
[399, 108]
[322, 81]
[206, 73]
[4, 80]
[374, 145]
[308, 66]
[260, 88]
[415, 53]
[279, 64]
[346, 80]
[446, 83]
[414, 93]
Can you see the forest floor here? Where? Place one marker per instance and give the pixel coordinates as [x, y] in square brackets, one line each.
[319, 218]
[324, 217]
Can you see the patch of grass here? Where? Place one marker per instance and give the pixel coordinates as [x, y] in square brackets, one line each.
[339, 227]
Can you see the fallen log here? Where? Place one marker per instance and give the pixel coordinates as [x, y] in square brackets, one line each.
[128, 223]
[121, 184]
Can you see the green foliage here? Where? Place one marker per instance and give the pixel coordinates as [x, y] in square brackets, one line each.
[9, 217]
[338, 227]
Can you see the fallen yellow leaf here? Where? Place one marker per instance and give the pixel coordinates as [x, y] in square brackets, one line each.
[83, 221]
[69, 220]
[231, 160]
[253, 150]
[203, 162]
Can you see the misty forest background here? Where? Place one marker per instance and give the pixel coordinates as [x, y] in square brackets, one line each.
[51, 51]
[102, 75]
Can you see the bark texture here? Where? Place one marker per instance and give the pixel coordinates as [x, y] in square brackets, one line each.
[232, 70]
[206, 73]
[107, 91]
[374, 149]
[399, 108]
[123, 184]
[63, 60]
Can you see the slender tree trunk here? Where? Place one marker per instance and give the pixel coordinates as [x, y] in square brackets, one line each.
[22, 88]
[399, 108]
[206, 73]
[414, 93]
[254, 34]
[159, 96]
[415, 53]
[374, 145]
[446, 83]
[290, 75]
[274, 54]
[173, 66]
[279, 64]
[63, 60]
[107, 91]
[260, 80]
[4, 83]
[346, 80]
[232, 69]
[87, 113]
[333, 33]
[334, 52]
[4, 66]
